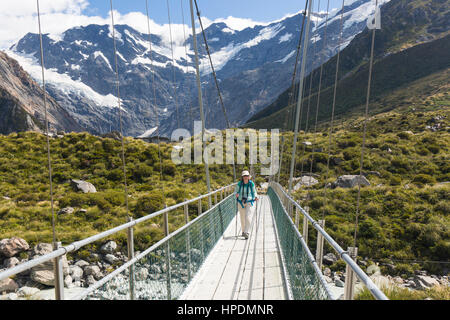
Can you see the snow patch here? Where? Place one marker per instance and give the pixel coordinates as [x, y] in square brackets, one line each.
[99, 53]
[285, 37]
[62, 81]
[148, 133]
[287, 57]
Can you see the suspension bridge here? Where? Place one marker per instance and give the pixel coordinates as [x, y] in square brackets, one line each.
[206, 258]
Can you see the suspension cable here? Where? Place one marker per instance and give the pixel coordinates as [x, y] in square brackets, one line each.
[291, 94]
[173, 65]
[120, 110]
[302, 74]
[215, 77]
[330, 133]
[361, 164]
[187, 66]
[46, 125]
[319, 91]
[153, 71]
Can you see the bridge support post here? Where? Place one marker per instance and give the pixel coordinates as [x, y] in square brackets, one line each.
[168, 268]
[130, 249]
[350, 276]
[297, 223]
[188, 239]
[221, 195]
[201, 227]
[59, 274]
[305, 227]
[319, 250]
[215, 198]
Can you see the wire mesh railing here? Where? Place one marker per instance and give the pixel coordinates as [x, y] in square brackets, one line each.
[304, 280]
[353, 271]
[165, 269]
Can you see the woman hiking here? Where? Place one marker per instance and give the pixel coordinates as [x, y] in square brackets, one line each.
[245, 195]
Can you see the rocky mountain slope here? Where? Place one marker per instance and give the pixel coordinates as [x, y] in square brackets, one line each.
[411, 45]
[22, 105]
[254, 66]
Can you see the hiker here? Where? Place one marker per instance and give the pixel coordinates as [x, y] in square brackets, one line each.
[245, 195]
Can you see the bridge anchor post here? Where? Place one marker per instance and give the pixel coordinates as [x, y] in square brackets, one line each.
[166, 233]
[59, 274]
[130, 249]
[305, 226]
[350, 276]
[319, 250]
[188, 239]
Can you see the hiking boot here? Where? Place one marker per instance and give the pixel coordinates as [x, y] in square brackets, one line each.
[245, 235]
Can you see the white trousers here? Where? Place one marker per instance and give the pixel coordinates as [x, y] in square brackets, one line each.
[245, 216]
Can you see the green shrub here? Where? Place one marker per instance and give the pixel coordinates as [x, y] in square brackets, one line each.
[423, 179]
[148, 204]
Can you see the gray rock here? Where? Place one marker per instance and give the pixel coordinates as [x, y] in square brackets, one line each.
[68, 281]
[6, 198]
[44, 273]
[91, 270]
[27, 291]
[327, 272]
[328, 279]
[339, 283]
[82, 210]
[67, 210]
[373, 269]
[111, 258]
[109, 247]
[11, 262]
[13, 246]
[425, 282]
[90, 280]
[81, 263]
[76, 272]
[306, 181]
[329, 259]
[8, 285]
[350, 181]
[83, 186]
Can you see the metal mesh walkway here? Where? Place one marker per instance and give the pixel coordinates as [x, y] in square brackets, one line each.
[239, 269]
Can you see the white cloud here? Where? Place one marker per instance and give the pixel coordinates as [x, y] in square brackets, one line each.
[18, 17]
[233, 23]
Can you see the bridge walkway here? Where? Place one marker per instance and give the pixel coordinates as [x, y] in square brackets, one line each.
[239, 269]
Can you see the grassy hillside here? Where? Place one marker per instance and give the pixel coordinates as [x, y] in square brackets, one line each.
[404, 213]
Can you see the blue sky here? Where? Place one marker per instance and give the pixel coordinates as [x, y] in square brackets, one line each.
[257, 10]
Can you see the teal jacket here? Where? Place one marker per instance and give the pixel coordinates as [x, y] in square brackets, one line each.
[246, 190]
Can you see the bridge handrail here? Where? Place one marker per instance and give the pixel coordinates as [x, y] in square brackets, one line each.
[376, 292]
[78, 244]
[141, 255]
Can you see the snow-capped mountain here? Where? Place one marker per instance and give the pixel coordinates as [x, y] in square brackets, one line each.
[254, 65]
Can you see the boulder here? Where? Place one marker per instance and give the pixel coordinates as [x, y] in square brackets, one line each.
[6, 198]
[329, 259]
[83, 186]
[44, 273]
[425, 282]
[8, 285]
[13, 246]
[350, 181]
[68, 281]
[93, 271]
[109, 247]
[90, 280]
[11, 262]
[110, 258]
[327, 272]
[305, 181]
[373, 269]
[27, 291]
[76, 273]
[81, 263]
[67, 210]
